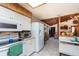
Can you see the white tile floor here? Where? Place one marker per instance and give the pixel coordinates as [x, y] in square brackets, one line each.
[51, 48]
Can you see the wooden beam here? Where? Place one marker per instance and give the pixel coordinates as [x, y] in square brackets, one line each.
[17, 8]
[52, 21]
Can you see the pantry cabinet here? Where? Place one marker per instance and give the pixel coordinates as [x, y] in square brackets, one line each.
[11, 15]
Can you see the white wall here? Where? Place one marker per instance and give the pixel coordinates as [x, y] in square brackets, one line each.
[34, 19]
[69, 23]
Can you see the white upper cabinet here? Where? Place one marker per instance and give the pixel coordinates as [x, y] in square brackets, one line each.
[26, 23]
[11, 15]
[6, 13]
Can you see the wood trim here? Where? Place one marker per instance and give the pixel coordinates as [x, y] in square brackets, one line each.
[17, 8]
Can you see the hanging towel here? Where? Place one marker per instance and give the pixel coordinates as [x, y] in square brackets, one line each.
[15, 50]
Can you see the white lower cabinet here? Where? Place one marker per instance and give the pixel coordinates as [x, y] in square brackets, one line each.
[3, 52]
[28, 47]
[69, 49]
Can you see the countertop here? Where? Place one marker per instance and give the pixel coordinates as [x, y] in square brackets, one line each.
[6, 46]
[68, 40]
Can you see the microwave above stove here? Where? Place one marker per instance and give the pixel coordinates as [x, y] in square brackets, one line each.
[9, 25]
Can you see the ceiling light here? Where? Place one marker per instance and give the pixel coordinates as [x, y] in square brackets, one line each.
[35, 4]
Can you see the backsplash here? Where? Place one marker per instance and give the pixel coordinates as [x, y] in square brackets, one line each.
[8, 37]
[8, 34]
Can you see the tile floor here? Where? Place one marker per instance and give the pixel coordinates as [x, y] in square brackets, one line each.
[51, 48]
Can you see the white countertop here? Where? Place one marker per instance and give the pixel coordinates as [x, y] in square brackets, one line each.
[8, 45]
[27, 41]
[68, 39]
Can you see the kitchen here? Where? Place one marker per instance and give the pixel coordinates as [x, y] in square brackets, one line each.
[21, 34]
[47, 29]
[13, 27]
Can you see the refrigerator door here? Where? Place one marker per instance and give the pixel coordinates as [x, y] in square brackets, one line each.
[38, 36]
[41, 36]
[35, 35]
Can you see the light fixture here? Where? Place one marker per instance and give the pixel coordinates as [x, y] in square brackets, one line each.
[35, 4]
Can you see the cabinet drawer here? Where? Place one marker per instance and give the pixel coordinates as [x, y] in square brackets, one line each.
[69, 49]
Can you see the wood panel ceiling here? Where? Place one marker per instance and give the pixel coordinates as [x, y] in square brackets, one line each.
[52, 21]
[17, 8]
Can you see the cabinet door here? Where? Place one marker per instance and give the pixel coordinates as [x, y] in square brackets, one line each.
[4, 52]
[6, 12]
[26, 23]
[29, 48]
[15, 17]
[3, 12]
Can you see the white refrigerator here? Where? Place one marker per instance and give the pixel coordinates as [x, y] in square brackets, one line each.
[38, 36]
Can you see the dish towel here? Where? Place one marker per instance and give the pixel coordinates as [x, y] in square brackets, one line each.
[15, 50]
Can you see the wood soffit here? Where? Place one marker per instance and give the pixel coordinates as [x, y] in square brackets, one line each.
[17, 8]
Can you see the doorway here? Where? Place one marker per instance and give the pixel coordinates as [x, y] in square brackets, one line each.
[52, 32]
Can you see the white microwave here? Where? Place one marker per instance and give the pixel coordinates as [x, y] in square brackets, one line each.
[9, 25]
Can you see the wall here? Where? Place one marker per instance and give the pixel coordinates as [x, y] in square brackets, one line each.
[69, 23]
[34, 19]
